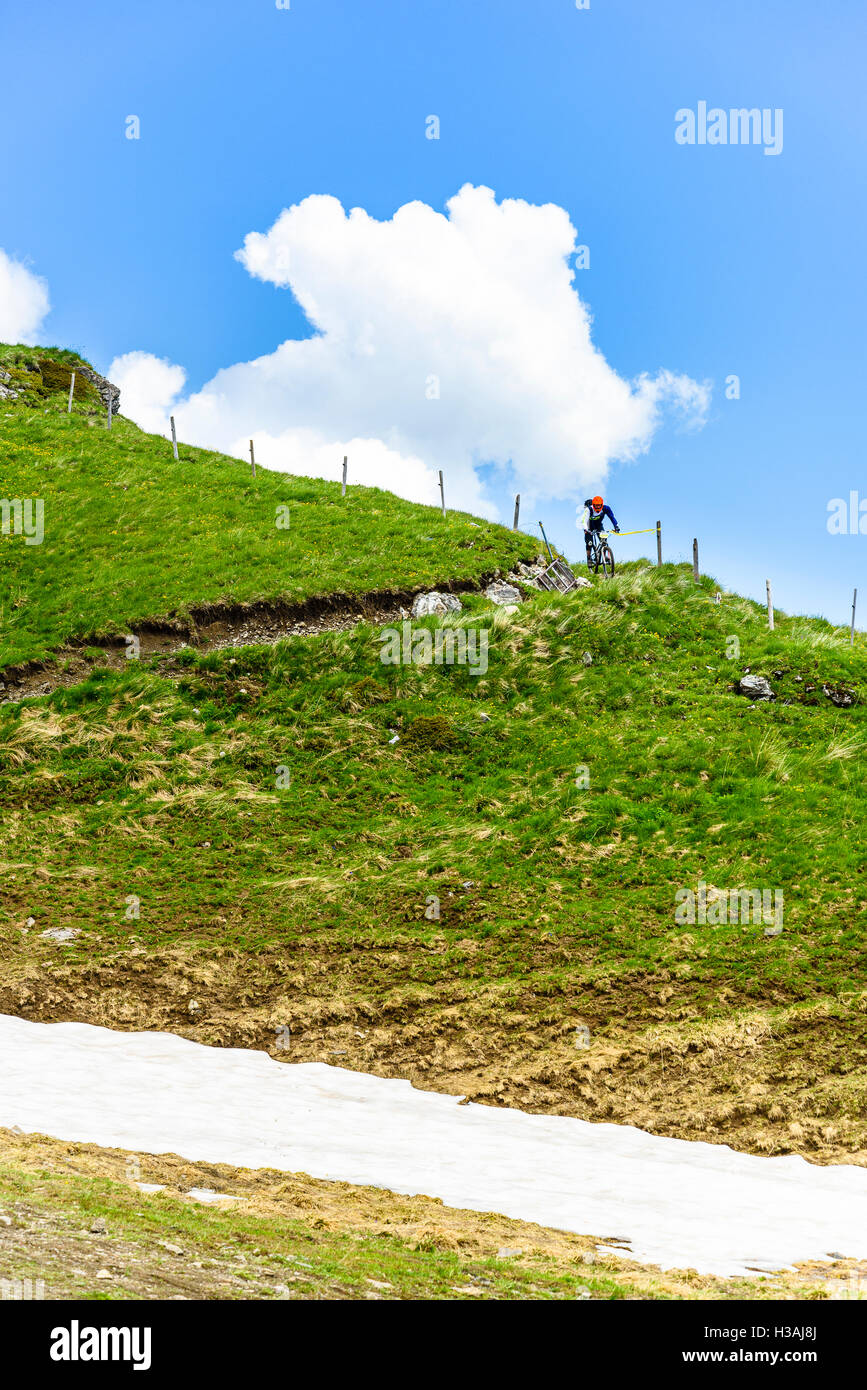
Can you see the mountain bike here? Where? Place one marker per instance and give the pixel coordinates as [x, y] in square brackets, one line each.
[601, 554]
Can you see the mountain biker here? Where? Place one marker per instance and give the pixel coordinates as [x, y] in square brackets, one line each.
[592, 518]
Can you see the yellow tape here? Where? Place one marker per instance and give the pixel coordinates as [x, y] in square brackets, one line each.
[645, 531]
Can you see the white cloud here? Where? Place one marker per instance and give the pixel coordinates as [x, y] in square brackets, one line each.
[24, 301]
[371, 462]
[479, 306]
[149, 387]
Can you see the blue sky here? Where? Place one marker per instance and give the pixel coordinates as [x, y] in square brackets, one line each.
[703, 260]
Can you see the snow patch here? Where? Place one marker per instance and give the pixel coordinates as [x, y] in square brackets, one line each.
[677, 1203]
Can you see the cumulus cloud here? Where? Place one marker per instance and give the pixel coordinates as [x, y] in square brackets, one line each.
[440, 341]
[149, 387]
[371, 462]
[24, 301]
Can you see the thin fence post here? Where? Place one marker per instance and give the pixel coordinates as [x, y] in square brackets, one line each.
[109, 410]
[659, 542]
[174, 437]
[252, 459]
[852, 628]
[695, 559]
[71, 393]
[517, 509]
[770, 606]
[343, 488]
[442, 493]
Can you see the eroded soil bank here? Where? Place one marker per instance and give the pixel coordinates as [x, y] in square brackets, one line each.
[211, 628]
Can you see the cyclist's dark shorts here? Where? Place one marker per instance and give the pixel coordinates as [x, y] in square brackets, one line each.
[595, 525]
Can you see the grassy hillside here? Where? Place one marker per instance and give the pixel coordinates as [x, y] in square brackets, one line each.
[468, 879]
[132, 536]
[297, 899]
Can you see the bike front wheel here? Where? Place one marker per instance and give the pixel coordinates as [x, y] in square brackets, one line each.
[606, 560]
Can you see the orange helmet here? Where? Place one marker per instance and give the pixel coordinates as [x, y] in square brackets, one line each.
[598, 502]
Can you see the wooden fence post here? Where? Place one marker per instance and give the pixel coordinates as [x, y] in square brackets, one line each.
[770, 606]
[343, 489]
[174, 437]
[695, 559]
[852, 627]
[517, 509]
[442, 493]
[659, 542]
[71, 393]
[252, 459]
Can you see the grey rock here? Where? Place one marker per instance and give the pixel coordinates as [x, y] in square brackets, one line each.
[841, 698]
[60, 933]
[423, 605]
[106, 388]
[756, 687]
[502, 594]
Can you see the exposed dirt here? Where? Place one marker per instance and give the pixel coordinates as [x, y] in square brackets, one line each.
[213, 626]
[760, 1086]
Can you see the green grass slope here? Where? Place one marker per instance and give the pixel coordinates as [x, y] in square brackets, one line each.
[134, 537]
[245, 850]
[470, 880]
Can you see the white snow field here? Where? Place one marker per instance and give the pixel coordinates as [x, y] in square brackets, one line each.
[678, 1204]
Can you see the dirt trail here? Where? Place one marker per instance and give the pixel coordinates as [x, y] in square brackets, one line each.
[216, 626]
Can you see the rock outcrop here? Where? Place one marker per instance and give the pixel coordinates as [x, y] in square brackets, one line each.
[32, 379]
[502, 594]
[106, 388]
[423, 605]
[756, 687]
